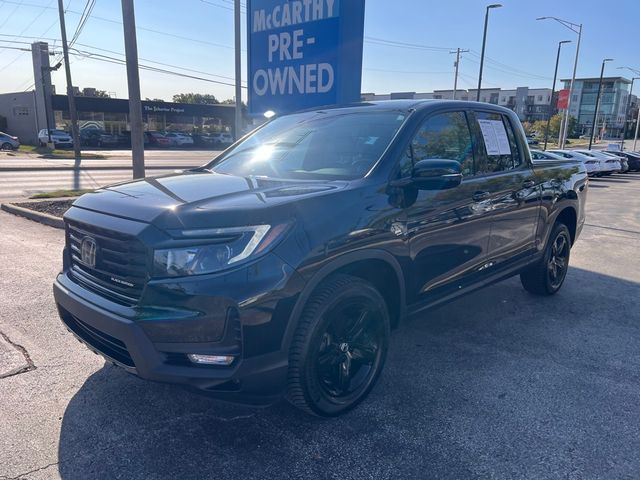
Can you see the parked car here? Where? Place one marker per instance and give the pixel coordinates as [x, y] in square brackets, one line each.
[532, 141]
[93, 137]
[591, 164]
[8, 142]
[281, 266]
[223, 138]
[608, 165]
[617, 155]
[59, 138]
[633, 159]
[545, 156]
[157, 139]
[179, 139]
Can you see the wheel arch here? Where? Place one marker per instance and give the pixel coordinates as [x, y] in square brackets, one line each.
[569, 217]
[375, 266]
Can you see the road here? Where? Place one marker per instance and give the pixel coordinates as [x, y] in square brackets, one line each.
[22, 176]
[499, 384]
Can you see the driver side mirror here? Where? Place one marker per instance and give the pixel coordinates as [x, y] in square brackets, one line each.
[436, 174]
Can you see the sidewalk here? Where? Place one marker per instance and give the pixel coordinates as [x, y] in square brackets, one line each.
[117, 160]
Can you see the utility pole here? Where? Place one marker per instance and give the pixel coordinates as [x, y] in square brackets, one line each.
[133, 82]
[457, 64]
[236, 18]
[553, 89]
[75, 131]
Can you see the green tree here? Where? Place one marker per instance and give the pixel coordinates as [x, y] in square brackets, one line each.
[199, 98]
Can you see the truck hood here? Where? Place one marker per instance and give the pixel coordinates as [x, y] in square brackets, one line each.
[189, 199]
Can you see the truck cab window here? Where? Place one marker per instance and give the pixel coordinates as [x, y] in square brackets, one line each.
[500, 152]
[445, 136]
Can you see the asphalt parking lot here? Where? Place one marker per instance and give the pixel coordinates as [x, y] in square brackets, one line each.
[499, 384]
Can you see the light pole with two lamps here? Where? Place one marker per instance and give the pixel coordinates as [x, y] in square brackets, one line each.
[626, 110]
[574, 27]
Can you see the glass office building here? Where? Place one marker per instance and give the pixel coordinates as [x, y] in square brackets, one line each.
[613, 105]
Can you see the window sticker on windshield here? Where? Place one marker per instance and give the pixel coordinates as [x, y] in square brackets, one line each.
[495, 137]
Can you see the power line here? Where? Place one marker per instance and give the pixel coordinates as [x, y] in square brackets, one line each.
[121, 54]
[86, 13]
[394, 43]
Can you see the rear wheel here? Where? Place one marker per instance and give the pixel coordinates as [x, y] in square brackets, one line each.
[6, 146]
[339, 347]
[547, 276]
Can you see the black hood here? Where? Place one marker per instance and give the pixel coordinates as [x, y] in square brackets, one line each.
[188, 199]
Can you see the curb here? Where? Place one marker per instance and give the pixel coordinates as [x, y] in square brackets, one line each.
[82, 169]
[39, 217]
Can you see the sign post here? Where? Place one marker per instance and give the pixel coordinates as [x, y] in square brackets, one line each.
[303, 53]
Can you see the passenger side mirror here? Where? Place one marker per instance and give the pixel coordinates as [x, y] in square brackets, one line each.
[436, 174]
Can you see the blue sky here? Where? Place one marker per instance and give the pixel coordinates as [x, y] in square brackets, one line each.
[198, 35]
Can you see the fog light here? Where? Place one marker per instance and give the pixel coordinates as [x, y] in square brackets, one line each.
[210, 359]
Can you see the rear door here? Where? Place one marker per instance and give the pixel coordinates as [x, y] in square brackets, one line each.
[509, 185]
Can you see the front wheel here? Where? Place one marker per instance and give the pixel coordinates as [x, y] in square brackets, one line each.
[339, 347]
[548, 274]
[6, 146]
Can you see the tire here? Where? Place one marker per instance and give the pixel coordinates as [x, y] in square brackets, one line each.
[339, 347]
[6, 146]
[547, 276]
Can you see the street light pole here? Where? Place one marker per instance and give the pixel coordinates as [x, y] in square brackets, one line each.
[635, 137]
[595, 113]
[626, 110]
[484, 44]
[574, 27]
[553, 89]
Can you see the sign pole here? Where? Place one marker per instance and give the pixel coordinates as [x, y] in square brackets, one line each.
[236, 18]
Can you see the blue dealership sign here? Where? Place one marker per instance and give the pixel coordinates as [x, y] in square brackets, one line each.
[303, 53]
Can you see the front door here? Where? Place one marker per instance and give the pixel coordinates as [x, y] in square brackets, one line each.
[447, 230]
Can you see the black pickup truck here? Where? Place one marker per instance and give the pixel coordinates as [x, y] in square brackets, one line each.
[280, 268]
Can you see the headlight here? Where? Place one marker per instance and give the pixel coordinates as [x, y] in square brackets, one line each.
[225, 247]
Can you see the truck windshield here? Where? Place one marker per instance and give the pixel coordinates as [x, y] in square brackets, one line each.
[331, 145]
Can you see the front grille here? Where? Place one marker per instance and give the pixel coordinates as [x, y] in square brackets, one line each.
[104, 343]
[120, 271]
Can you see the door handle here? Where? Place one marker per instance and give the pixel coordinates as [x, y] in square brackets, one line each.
[528, 184]
[479, 196]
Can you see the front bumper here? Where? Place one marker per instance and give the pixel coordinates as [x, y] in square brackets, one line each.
[122, 336]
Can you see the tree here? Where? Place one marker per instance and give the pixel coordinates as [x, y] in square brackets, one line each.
[540, 126]
[147, 99]
[199, 98]
[231, 101]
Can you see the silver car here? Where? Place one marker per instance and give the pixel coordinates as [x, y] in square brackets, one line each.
[7, 142]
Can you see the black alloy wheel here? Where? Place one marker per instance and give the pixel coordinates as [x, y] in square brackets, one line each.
[6, 146]
[558, 263]
[339, 348]
[547, 275]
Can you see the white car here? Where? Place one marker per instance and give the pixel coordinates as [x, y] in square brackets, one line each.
[222, 138]
[59, 138]
[179, 139]
[591, 164]
[540, 156]
[608, 165]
